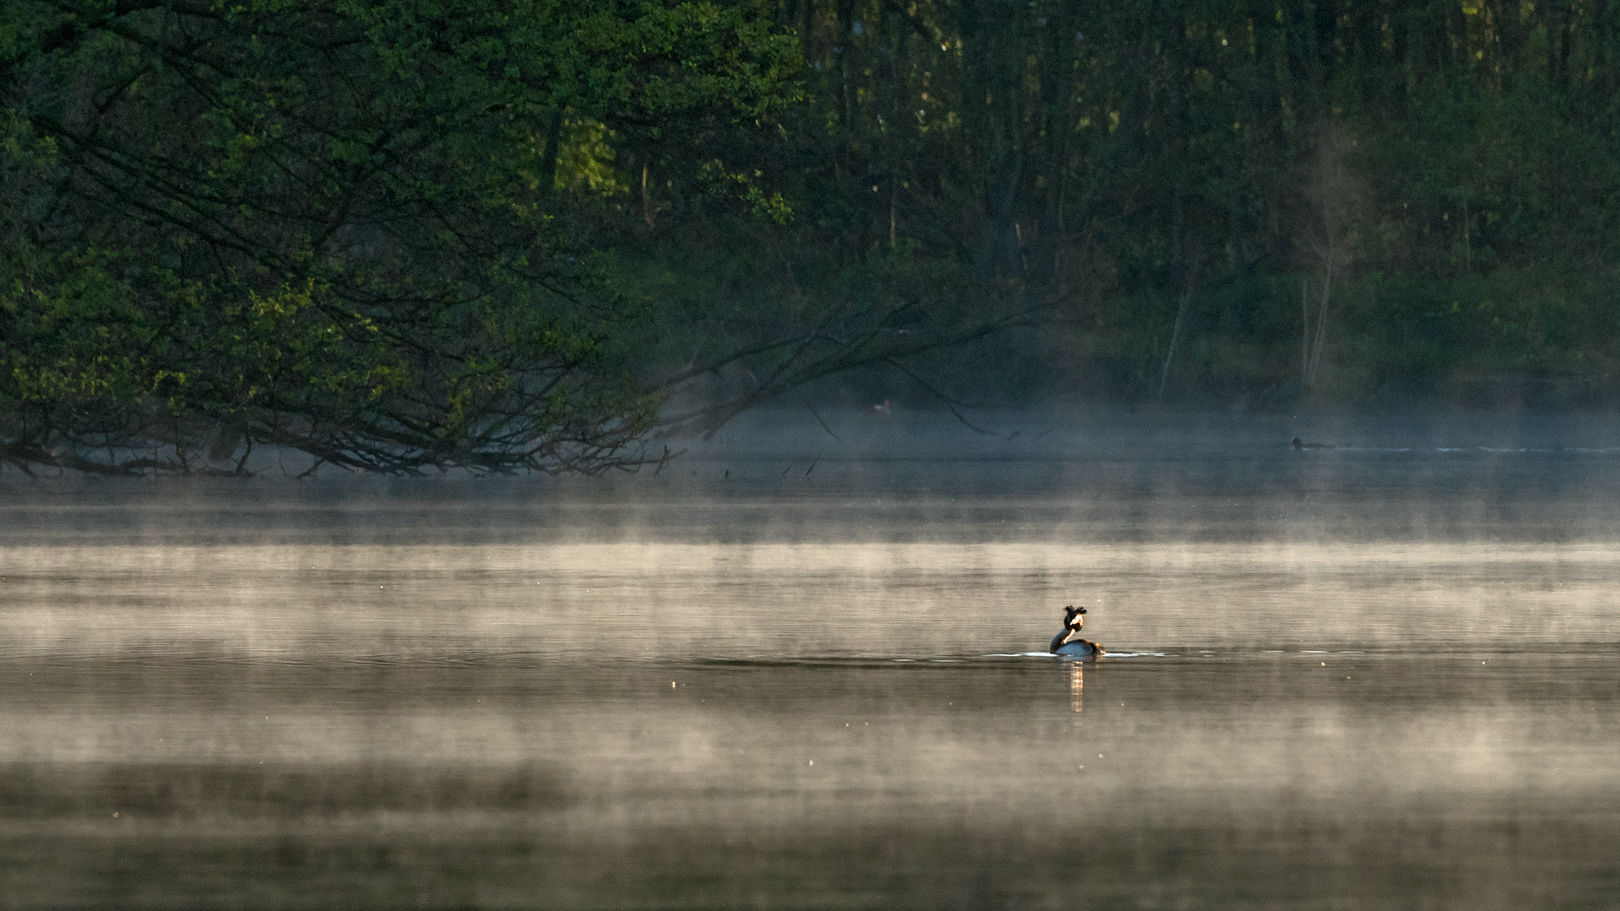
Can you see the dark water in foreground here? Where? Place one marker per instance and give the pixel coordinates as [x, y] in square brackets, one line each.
[1356, 681]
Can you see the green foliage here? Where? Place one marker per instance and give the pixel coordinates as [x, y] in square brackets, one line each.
[498, 234]
[334, 226]
[1101, 159]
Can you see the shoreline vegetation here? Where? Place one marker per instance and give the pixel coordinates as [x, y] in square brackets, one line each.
[529, 235]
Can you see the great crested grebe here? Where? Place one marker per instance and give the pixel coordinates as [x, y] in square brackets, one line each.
[1068, 642]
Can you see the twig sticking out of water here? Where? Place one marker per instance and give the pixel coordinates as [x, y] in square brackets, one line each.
[817, 415]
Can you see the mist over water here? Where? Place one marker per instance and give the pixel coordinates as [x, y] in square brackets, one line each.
[792, 669]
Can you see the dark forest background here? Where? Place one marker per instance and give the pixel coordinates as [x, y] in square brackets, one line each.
[503, 235]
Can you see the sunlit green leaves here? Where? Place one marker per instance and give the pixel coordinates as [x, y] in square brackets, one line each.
[333, 224]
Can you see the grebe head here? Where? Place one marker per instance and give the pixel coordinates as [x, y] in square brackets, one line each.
[1074, 617]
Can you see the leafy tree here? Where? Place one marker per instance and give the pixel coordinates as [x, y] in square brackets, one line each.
[333, 225]
[512, 234]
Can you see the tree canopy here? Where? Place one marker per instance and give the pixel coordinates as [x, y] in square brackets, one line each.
[1438, 177]
[331, 225]
[517, 234]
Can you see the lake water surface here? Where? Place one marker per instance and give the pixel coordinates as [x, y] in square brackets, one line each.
[1380, 676]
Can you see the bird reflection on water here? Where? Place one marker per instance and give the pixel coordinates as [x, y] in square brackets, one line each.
[1077, 687]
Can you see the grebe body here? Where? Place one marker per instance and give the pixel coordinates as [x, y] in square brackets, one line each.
[1079, 648]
